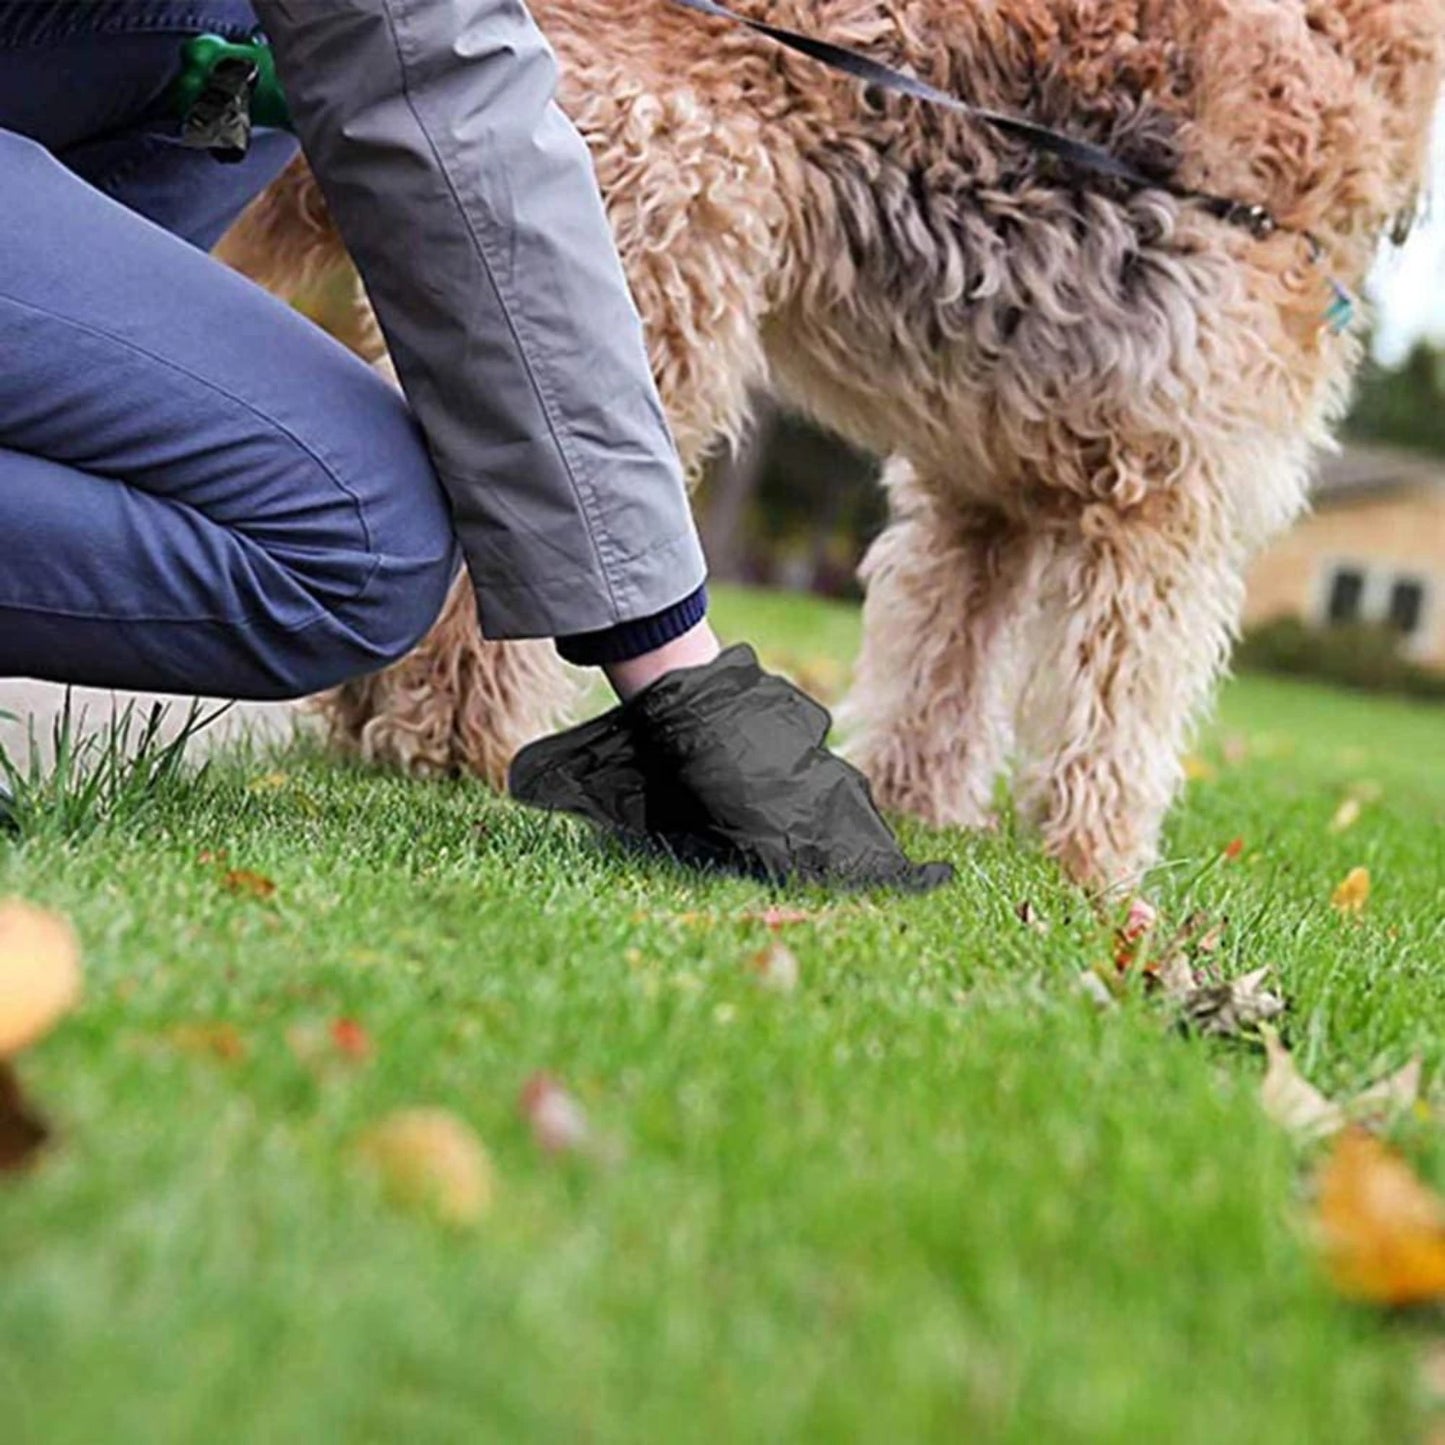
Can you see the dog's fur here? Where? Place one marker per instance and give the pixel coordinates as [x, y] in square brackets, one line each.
[1099, 404]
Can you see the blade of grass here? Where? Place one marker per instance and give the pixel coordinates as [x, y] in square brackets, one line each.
[100, 778]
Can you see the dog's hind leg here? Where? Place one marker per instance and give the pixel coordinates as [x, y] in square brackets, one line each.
[933, 698]
[1138, 606]
[457, 703]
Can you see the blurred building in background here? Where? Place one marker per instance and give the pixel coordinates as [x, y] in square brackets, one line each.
[1372, 552]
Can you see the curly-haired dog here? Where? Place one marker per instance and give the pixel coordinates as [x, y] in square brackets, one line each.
[1099, 401]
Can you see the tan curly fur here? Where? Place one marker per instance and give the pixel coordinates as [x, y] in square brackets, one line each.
[1098, 403]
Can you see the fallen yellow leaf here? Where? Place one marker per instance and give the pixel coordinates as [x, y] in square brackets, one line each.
[1354, 893]
[1199, 770]
[39, 974]
[430, 1159]
[1346, 815]
[1381, 1228]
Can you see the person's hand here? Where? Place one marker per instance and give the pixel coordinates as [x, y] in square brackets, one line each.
[726, 766]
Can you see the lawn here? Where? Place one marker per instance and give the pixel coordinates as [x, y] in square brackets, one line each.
[933, 1193]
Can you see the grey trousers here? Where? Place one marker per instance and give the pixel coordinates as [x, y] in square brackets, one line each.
[470, 206]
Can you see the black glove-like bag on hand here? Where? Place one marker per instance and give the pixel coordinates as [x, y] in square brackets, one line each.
[724, 766]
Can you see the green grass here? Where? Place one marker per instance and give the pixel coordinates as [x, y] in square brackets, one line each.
[933, 1194]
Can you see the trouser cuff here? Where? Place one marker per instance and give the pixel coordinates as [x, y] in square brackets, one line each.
[632, 639]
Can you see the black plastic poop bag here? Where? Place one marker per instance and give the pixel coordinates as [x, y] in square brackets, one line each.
[724, 766]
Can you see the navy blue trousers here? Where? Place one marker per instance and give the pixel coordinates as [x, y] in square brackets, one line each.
[199, 490]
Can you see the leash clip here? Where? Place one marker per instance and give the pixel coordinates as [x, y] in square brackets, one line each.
[225, 89]
[1259, 221]
[219, 120]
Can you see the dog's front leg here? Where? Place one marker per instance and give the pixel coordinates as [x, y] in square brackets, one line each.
[933, 701]
[1138, 605]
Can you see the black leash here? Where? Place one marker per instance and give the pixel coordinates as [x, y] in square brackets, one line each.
[1081, 155]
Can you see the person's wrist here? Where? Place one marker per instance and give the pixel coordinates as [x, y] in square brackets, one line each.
[694, 648]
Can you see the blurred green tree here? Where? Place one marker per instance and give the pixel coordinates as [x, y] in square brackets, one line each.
[1404, 406]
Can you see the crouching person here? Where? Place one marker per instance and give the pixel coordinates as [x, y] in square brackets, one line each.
[200, 492]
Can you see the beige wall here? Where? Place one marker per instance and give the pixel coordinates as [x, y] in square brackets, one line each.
[1400, 533]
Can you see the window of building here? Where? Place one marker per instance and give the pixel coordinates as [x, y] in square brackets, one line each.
[1407, 605]
[1346, 596]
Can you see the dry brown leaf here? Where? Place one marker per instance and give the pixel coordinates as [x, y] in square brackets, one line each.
[1141, 918]
[1175, 977]
[773, 918]
[1291, 1100]
[1354, 893]
[1030, 917]
[1096, 989]
[1212, 939]
[1432, 1372]
[1173, 970]
[309, 1044]
[1226, 1010]
[1391, 1096]
[215, 1041]
[1218, 1008]
[22, 1131]
[1382, 1229]
[246, 884]
[39, 974]
[1130, 936]
[351, 1039]
[429, 1159]
[776, 918]
[776, 967]
[329, 1049]
[559, 1123]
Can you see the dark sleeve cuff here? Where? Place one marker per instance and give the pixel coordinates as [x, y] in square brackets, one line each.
[631, 639]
